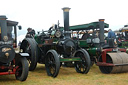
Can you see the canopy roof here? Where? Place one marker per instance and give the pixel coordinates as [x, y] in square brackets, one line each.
[123, 29]
[11, 23]
[93, 25]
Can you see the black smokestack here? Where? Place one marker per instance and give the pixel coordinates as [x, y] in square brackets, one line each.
[101, 26]
[66, 22]
[3, 27]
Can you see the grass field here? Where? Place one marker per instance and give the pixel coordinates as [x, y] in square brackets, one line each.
[67, 76]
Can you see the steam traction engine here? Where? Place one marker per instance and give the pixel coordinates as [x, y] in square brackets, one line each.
[123, 37]
[107, 56]
[55, 46]
[10, 61]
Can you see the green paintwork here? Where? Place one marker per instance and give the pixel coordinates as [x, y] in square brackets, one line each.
[124, 44]
[92, 51]
[88, 26]
[70, 59]
[83, 43]
[37, 39]
[92, 25]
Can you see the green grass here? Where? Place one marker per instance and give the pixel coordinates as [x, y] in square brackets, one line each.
[67, 76]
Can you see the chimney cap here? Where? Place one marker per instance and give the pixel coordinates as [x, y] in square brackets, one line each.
[3, 17]
[66, 9]
[101, 19]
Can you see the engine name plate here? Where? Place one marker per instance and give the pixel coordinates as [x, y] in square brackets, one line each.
[5, 49]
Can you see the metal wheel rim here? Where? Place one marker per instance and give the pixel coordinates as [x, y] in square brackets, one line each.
[80, 65]
[51, 64]
[106, 69]
[28, 50]
[19, 70]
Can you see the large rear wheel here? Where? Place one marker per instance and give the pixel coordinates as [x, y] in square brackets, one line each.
[52, 63]
[29, 46]
[82, 66]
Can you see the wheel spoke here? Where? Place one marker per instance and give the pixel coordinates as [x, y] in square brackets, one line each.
[80, 65]
[19, 70]
[51, 64]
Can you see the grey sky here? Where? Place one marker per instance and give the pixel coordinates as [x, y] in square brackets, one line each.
[41, 14]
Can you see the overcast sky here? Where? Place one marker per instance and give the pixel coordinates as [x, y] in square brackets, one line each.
[41, 14]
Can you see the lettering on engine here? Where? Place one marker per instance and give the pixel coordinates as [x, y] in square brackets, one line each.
[5, 49]
[9, 42]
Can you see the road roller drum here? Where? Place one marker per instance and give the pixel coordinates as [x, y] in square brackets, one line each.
[119, 61]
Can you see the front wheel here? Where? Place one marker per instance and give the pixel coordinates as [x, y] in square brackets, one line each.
[82, 66]
[22, 70]
[52, 63]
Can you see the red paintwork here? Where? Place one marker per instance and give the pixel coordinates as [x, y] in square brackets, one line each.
[7, 73]
[12, 70]
[104, 64]
[122, 40]
[104, 52]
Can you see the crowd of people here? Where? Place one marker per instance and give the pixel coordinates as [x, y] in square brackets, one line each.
[31, 34]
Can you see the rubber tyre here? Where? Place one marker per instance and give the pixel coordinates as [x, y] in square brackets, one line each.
[23, 69]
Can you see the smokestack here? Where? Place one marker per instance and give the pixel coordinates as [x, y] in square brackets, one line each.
[101, 26]
[3, 28]
[66, 22]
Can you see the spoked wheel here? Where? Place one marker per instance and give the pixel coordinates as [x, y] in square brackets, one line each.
[52, 63]
[29, 46]
[82, 66]
[22, 70]
[106, 69]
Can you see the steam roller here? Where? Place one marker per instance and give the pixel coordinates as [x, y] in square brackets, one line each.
[113, 62]
[113, 59]
[102, 50]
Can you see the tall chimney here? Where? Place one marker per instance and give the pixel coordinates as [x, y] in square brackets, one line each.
[101, 26]
[66, 22]
[3, 27]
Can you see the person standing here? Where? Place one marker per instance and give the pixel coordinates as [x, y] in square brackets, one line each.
[112, 35]
[30, 33]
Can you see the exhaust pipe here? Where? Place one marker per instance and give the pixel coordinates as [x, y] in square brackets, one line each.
[67, 33]
[101, 26]
[3, 28]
